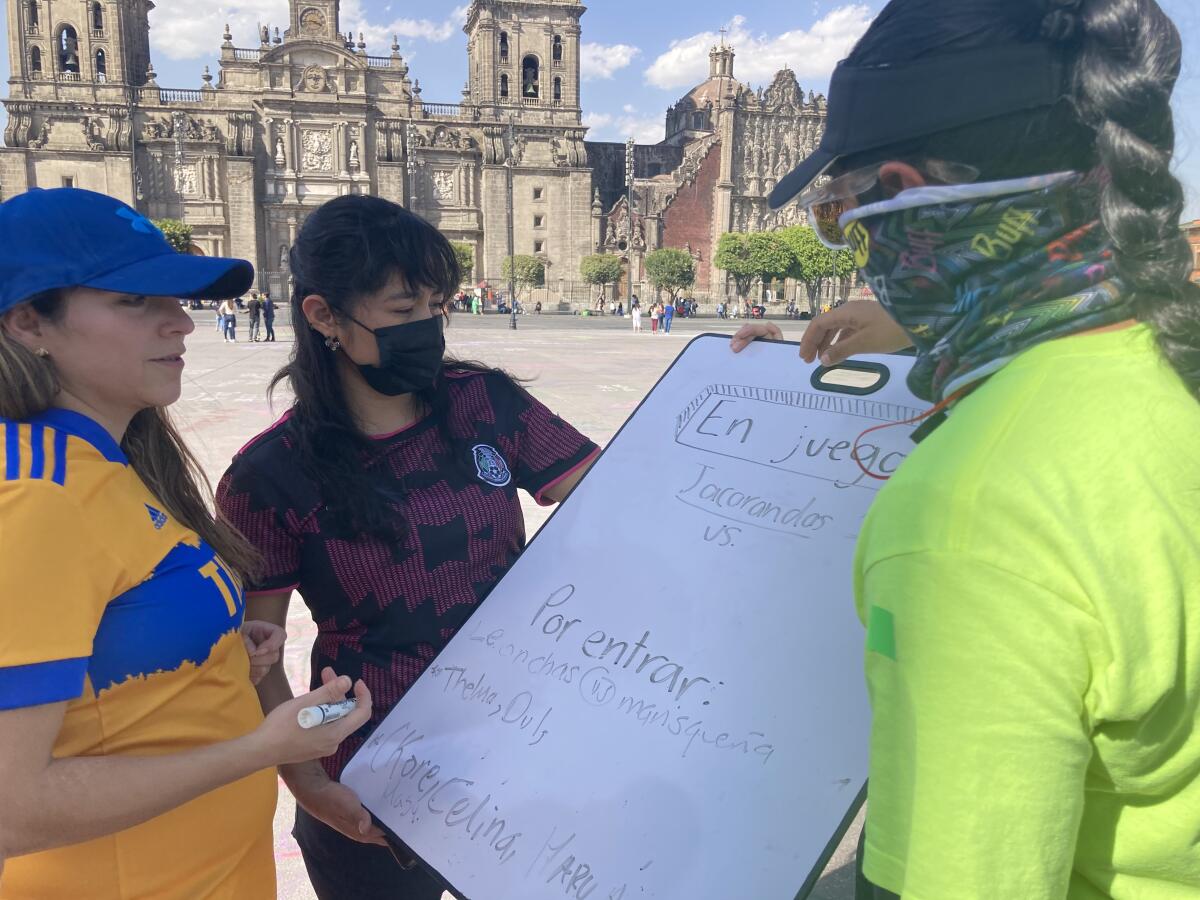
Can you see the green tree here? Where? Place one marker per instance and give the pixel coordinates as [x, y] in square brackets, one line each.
[770, 256]
[177, 233]
[814, 264]
[671, 270]
[733, 258]
[466, 258]
[527, 272]
[600, 268]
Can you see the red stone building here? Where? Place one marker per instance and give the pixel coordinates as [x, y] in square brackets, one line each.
[726, 147]
[1192, 229]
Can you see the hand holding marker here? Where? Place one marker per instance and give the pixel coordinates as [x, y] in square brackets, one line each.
[312, 716]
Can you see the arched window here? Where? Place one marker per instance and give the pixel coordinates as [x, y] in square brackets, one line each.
[68, 50]
[530, 85]
[556, 52]
[557, 90]
[33, 15]
[35, 61]
[504, 46]
[97, 17]
[504, 86]
[101, 70]
[698, 122]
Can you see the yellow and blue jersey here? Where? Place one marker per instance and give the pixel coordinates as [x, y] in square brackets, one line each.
[111, 605]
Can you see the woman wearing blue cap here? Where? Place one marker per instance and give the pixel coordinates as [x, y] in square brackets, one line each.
[1030, 578]
[135, 760]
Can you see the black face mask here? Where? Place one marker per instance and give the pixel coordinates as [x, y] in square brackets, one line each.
[410, 356]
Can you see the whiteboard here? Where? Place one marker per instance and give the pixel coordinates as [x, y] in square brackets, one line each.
[663, 698]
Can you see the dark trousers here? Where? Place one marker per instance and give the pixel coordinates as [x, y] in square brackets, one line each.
[270, 323]
[342, 869]
[863, 889]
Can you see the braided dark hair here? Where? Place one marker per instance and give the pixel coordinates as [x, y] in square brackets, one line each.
[1127, 67]
[1126, 59]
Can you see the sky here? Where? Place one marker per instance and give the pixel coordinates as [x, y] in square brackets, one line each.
[638, 56]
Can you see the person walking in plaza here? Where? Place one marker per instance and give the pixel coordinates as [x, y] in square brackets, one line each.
[654, 318]
[636, 313]
[668, 315]
[228, 312]
[254, 310]
[391, 480]
[268, 314]
[1030, 577]
[135, 760]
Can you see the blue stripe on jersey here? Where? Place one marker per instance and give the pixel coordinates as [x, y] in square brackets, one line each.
[43, 682]
[59, 476]
[81, 426]
[37, 464]
[12, 450]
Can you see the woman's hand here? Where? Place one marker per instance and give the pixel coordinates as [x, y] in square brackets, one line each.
[264, 643]
[754, 331]
[280, 738]
[332, 802]
[854, 328]
[337, 806]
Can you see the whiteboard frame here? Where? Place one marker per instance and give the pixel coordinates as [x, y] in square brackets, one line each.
[398, 846]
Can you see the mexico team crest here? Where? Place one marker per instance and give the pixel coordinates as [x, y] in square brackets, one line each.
[490, 465]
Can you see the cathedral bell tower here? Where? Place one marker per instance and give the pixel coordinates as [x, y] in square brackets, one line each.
[55, 42]
[524, 54]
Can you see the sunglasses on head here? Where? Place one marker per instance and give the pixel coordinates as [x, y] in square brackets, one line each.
[827, 203]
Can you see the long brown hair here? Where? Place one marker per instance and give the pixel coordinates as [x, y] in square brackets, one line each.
[29, 386]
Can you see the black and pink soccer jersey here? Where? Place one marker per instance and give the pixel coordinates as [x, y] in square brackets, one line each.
[384, 609]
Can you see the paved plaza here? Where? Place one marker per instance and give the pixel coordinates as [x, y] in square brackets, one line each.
[592, 371]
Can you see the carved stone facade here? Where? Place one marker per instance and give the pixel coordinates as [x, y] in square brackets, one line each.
[306, 114]
[733, 145]
[303, 115]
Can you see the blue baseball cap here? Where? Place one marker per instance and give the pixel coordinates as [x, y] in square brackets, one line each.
[69, 237]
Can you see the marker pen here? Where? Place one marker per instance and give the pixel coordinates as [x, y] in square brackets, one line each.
[312, 716]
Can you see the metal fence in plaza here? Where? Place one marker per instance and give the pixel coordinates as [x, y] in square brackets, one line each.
[561, 295]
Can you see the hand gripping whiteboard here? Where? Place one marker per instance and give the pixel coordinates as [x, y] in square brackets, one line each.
[663, 698]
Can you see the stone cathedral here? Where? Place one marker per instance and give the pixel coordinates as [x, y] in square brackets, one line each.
[305, 114]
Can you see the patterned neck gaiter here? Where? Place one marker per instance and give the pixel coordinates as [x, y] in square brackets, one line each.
[979, 273]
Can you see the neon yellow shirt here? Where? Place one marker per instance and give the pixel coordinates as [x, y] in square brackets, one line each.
[1030, 581]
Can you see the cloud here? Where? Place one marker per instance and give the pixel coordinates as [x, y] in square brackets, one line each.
[185, 30]
[600, 61]
[812, 54]
[182, 30]
[378, 35]
[609, 127]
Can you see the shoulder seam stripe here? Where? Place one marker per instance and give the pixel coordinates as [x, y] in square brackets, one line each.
[12, 451]
[37, 448]
[254, 441]
[59, 476]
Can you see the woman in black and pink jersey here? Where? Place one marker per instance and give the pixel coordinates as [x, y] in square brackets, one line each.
[386, 496]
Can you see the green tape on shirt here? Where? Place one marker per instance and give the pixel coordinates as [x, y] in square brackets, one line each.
[881, 632]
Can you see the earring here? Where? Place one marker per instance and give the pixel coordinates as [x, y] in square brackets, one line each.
[42, 353]
[333, 344]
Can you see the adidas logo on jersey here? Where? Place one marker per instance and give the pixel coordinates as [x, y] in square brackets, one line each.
[158, 518]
